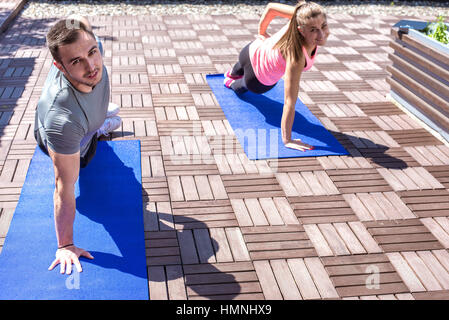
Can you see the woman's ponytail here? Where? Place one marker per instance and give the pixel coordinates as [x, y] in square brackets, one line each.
[290, 44]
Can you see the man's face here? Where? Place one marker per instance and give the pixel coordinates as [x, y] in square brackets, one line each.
[316, 31]
[81, 62]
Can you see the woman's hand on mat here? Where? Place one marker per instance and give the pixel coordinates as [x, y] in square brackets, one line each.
[298, 145]
[66, 256]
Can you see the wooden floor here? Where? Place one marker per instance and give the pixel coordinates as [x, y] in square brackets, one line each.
[371, 225]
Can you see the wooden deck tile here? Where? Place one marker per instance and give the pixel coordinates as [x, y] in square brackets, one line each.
[305, 183]
[402, 235]
[185, 188]
[371, 139]
[324, 97]
[341, 110]
[277, 242]
[416, 137]
[177, 165]
[223, 281]
[341, 239]
[150, 146]
[378, 206]
[184, 145]
[411, 178]
[263, 212]
[237, 163]
[423, 270]
[389, 157]
[222, 145]
[358, 180]
[371, 274]
[427, 203]
[252, 186]
[322, 209]
[204, 214]
[430, 155]
[348, 124]
[379, 108]
[162, 248]
[395, 122]
[155, 189]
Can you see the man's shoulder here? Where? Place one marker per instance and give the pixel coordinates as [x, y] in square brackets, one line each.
[62, 108]
[55, 88]
[63, 96]
[57, 97]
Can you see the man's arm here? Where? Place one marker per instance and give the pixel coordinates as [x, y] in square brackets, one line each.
[273, 10]
[66, 169]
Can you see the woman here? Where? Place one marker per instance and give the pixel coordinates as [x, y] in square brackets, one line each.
[288, 53]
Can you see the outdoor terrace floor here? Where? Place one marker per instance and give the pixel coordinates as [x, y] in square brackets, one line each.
[218, 226]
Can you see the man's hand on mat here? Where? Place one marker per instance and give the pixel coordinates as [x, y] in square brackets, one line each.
[66, 256]
[298, 145]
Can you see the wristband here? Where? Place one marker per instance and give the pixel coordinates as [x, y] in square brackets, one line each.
[67, 245]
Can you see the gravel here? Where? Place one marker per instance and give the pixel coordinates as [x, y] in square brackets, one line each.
[52, 8]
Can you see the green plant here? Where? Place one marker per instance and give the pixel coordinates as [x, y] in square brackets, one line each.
[438, 30]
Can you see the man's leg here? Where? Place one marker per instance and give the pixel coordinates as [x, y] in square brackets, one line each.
[39, 141]
[112, 121]
[113, 110]
[84, 161]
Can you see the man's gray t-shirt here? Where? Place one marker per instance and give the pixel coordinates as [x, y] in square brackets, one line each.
[67, 118]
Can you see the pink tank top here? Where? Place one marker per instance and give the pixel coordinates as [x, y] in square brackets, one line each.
[309, 61]
[268, 64]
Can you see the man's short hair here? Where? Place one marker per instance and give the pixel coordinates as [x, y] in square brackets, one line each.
[64, 32]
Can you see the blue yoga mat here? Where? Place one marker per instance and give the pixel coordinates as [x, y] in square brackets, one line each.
[256, 121]
[108, 224]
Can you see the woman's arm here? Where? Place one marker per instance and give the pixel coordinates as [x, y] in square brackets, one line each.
[291, 89]
[273, 10]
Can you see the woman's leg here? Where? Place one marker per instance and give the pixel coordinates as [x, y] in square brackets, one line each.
[249, 80]
[239, 86]
[236, 71]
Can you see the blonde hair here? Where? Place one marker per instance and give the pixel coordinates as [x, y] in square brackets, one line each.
[290, 44]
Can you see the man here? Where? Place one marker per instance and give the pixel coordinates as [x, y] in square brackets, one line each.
[72, 112]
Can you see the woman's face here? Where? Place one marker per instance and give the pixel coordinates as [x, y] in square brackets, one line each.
[315, 31]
